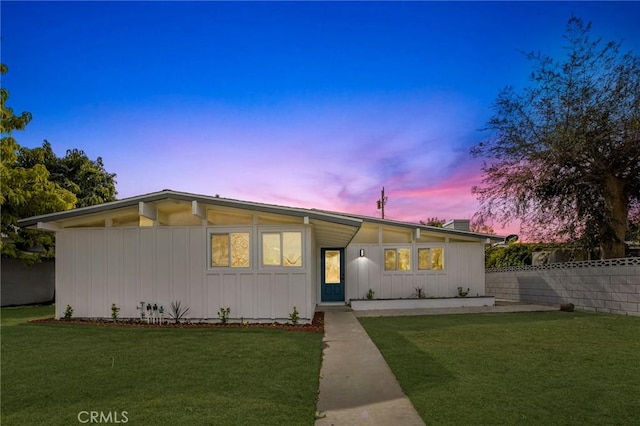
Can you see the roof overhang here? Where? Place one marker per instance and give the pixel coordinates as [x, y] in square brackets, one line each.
[331, 229]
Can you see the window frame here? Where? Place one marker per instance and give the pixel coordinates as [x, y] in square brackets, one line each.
[228, 231]
[281, 232]
[396, 249]
[430, 268]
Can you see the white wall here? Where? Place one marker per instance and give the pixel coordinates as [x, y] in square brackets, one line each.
[464, 267]
[96, 267]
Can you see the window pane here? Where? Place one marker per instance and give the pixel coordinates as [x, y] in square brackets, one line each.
[390, 259]
[292, 249]
[437, 259]
[404, 259]
[332, 267]
[240, 250]
[219, 249]
[271, 249]
[424, 258]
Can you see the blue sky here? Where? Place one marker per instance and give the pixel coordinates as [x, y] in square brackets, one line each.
[303, 104]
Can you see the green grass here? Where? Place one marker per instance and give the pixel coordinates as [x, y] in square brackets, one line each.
[519, 369]
[52, 371]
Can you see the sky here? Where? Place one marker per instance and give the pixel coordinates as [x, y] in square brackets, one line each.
[303, 104]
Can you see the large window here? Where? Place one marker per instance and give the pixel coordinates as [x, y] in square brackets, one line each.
[431, 258]
[231, 249]
[282, 249]
[397, 259]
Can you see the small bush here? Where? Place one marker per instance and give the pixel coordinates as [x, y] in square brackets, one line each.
[68, 312]
[370, 294]
[223, 314]
[294, 316]
[462, 292]
[177, 312]
[420, 293]
[115, 311]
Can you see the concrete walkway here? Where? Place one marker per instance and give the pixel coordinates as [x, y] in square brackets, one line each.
[357, 386]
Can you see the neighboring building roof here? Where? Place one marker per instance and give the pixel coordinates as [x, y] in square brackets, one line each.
[342, 220]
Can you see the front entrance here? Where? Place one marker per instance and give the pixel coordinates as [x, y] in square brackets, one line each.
[332, 286]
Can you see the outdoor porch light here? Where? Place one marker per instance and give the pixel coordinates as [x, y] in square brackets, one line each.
[361, 252]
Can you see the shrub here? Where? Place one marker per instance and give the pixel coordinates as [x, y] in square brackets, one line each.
[68, 312]
[223, 314]
[294, 316]
[462, 292]
[115, 311]
[420, 293]
[177, 312]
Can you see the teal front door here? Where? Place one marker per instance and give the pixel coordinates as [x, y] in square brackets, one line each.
[332, 286]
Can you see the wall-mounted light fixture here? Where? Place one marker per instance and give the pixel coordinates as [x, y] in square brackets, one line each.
[361, 252]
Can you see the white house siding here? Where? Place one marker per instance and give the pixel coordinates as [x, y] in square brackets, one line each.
[96, 267]
[264, 293]
[313, 284]
[464, 267]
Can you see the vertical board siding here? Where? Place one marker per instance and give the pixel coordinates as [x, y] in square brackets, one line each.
[280, 288]
[230, 284]
[126, 266]
[98, 301]
[246, 297]
[163, 267]
[130, 273]
[464, 267]
[179, 281]
[147, 267]
[264, 295]
[82, 245]
[299, 295]
[197, 258]
[64, 271]
[114, 243]
[214, 295]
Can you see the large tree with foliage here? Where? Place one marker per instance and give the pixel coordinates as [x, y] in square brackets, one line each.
[24, 191]
[75, 172]
[35, 181]
[564, 153]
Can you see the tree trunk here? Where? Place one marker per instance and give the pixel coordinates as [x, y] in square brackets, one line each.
[616, 214]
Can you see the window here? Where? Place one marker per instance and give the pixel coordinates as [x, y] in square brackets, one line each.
[431, 258]
[231, 249]
[397, 259]
[282, 249]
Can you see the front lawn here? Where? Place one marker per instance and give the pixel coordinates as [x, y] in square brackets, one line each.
[523, 368]
[51, 372]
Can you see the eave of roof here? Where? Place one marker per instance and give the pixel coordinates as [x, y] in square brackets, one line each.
[436, 229]
[184, 196]
[324, 215]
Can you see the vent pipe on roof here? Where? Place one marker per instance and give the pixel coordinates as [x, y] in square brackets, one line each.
[458, 225]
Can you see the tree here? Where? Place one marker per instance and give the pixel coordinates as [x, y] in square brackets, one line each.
[35, 181]
[24, 191]
[565, 152]
[433, 221]
[75, 172]
[481, 228]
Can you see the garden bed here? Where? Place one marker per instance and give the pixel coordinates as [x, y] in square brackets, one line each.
[317, 325]
[428, 303]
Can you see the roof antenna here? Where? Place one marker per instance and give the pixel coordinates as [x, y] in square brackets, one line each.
[382, 201]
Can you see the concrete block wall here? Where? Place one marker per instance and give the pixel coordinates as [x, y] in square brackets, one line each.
[25, 285]
[611, 286]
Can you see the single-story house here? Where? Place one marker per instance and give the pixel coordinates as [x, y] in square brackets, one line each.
[259, 260]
